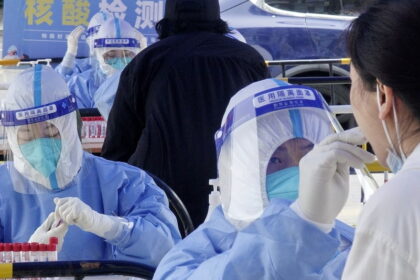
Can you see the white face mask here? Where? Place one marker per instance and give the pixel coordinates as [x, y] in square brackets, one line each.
[394, 160]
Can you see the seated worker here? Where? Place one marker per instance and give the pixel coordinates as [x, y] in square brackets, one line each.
[70, 65]
[115, 45]
[49, 185]
[267, 127]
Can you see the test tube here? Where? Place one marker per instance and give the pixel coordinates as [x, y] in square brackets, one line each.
[34, 253]
[17, 248]
[52, 253]
[7, 252]
[42, 252]
[54, 240]
[26, 248]
[1, 253]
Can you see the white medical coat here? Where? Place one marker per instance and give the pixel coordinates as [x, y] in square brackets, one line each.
[387, 241]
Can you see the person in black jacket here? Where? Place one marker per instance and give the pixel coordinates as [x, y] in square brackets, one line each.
[172, 96]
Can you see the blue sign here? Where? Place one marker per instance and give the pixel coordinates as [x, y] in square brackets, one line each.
[39, 28]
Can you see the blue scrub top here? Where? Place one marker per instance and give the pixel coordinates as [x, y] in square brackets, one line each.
[278, 245]
[111, 188]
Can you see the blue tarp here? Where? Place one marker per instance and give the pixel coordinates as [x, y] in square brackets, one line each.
[38, 28]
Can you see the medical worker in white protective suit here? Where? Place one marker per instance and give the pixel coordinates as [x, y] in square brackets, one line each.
[11, 53]
[267, 127]
[98, 209]
[113, 55]
[71, 65]
[115, 45]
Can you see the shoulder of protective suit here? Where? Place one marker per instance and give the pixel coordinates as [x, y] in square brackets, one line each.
[116, 166]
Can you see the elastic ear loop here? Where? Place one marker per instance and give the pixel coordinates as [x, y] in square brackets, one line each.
[388, 138]
[394, 111]
[398, 130]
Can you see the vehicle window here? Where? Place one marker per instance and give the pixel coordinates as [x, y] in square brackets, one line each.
[331, 7]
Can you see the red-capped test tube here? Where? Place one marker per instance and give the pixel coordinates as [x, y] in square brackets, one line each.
[54, 240]
[42, 252]
[26, 248]
[8, 252]
[34, 253]
[52, 253]
[1, 252]
[17, 248]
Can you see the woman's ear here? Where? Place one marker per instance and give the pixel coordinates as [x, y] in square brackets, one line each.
[386, 99]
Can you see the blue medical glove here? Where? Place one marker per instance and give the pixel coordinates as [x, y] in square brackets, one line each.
[73, 211]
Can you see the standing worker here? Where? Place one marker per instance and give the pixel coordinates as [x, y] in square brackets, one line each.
[107, 210]
[172, 96]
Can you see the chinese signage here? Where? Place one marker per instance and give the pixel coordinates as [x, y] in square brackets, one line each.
[39, 28]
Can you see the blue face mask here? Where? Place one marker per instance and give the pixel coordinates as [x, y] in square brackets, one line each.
[43, 154]
[118, 63]
[394, 161]
[283, 183]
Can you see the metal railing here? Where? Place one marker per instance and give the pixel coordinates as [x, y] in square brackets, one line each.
[331, 79]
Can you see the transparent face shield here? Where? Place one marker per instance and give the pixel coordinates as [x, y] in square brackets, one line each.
[263, 136]
[92, 30]
[114, 54]
[369, 184]
[265, 133]
[90, 39]
[41, 148]
[118, 59]
[282, 175]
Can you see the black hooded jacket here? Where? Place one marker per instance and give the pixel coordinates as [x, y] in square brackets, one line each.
[170, 102]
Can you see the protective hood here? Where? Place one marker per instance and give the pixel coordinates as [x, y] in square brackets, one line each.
[39, 97]
[192, 10]
[92, 30]
[116, 44]
[258, 119]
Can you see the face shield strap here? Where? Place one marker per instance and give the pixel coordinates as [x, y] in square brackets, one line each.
[116, 43]
[40, 113]
[267, 101]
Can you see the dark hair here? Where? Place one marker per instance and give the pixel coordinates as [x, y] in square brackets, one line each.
[166, 27]
[384, 43]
